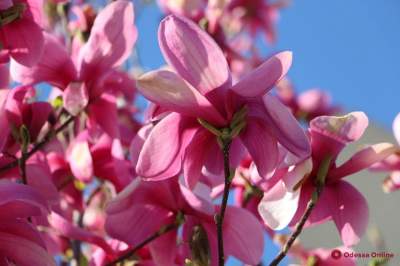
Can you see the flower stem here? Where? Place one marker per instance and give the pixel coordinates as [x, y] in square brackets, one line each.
[220, 217]
[319, 185]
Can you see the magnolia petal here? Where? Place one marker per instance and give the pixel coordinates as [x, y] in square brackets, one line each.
[344, 129]
[4, 123]
[286, 128]
[144, 220]
[168, 90]
[261, 80]
[351, 213]
[278, 206]
[159, 158]
[296, 173]
[24, 40]
[67, 229]
[111, 39]
[23, 251]
[193, 54]
[396, 128]
[80, 160]
[363, 159]
[20, 201]
[195, 156]
[75, 98]
[163, 249]
[243, 235]
[55, 67]
[262, 147]
[199, 197]
[103, 112]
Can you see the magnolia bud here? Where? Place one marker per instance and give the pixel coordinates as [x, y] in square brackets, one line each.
[199, 247]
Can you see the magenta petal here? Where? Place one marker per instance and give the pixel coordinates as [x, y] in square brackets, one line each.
[195, 156]
[344, 129]
[4, 76]
[262, 147]
[363, 159]
[351, 213]
[144, 220]
[55, 67]
[24, 40]
[20, 201]
[243, 235]
[67, 229]
[23, 251]
[4, 124]
[111, 39]
[163, 249]
[199, 197]
[193, 54]
[286, 128]
[170, 91]
[261, 80]
[39, 176]
[103, 112]
[161, 156]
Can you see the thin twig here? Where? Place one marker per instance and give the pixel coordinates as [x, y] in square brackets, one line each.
[220, 217]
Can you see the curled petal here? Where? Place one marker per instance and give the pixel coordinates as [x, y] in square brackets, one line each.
[344, 129]
[262, 79]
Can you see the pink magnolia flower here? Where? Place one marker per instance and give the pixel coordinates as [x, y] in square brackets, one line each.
[286, 202]
[392, 163]
[201, 88]
[20, 242]
[21, 33]
[150, 205]
[91, 81]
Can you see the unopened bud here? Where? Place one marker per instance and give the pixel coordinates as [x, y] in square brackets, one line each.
[199, 247]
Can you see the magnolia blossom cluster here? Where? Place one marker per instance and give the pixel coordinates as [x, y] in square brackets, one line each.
[87, 177]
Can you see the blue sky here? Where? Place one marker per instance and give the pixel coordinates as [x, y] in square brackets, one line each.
[350, 48]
